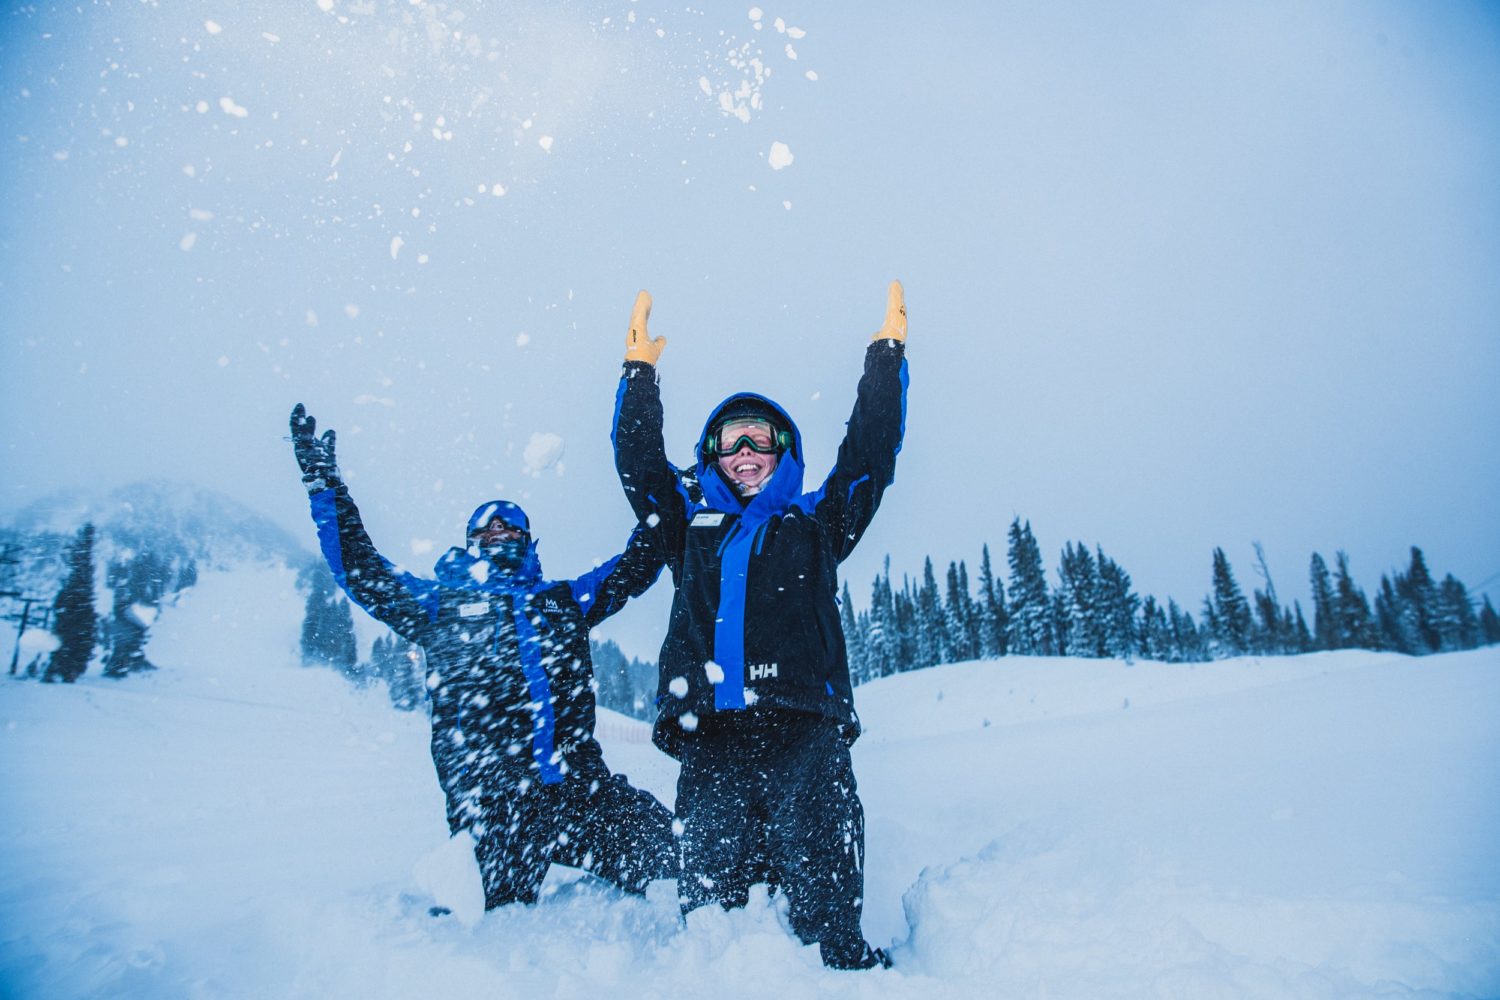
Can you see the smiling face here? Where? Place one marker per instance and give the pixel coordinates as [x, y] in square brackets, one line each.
[748, 469]
[748, 449]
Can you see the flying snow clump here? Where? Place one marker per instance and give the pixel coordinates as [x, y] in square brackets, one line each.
[543, 451]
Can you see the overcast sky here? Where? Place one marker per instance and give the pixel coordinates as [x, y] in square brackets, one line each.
[1179, 275]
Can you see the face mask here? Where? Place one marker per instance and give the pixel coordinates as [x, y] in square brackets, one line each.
[507, 556]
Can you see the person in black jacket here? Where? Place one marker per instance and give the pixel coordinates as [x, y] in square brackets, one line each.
[754, 697]
[510, 678]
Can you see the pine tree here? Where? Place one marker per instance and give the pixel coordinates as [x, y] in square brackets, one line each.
[881, 645]
[1395, 624]
[1229, 611]
[1117, 605]
[643, 678]
[1187, 637]
[1154, 639]
[328, 625]
[611, 679]
[1270, 632]
[1457, 625]
[1355, 623]
[1420, 595]
[992, 615]
[854, 640]
[932, 635]
[907, 625]
[1325, 631]
[1489, 623]
[970, 613]
[74, 620]
[138, 584]
[958, 616]
[1079, 622]
[1029, 629]
[1355, 626]
[1301, 636]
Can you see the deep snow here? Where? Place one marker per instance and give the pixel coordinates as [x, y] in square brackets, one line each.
[237, 826]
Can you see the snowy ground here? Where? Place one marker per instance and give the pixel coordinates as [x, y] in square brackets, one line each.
[235, 826]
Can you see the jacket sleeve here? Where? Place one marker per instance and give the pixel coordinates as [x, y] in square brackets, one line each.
[400, 600]
[603, 591]
[651, 482]
[867, 456]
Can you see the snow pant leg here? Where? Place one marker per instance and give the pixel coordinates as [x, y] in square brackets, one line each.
[817, 839]
[613, 830]
[719, 832]
[513, 844]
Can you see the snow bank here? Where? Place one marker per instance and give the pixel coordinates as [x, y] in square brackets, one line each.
[237, 826]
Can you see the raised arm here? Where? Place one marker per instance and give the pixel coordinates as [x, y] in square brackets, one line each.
[867, 456]
[603, 591]
[398, 599]
[649, 480]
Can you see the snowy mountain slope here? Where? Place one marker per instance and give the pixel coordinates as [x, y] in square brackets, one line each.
[210, 527]
[236, 826]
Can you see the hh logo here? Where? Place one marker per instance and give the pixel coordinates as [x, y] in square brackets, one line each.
[761, 671]
[551, 605]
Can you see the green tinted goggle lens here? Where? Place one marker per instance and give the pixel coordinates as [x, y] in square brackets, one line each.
[760, 436]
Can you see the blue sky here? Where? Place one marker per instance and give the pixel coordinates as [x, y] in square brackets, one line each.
[1179, 275]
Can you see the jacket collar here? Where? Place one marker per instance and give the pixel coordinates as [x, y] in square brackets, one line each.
[462, 570]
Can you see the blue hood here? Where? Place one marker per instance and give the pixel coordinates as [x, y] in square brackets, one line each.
[460, 568]
[784, 486]
[506, 511]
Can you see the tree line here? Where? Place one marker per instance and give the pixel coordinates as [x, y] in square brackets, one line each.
[1093, 611]
[140, 582]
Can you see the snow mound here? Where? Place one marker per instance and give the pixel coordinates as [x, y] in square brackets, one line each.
[234, 825]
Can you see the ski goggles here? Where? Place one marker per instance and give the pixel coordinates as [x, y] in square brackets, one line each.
[496, 531]
[733, 435]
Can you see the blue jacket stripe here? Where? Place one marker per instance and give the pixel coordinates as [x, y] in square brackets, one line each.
[586, 588]
[729, 625]
[614, 423]
[325, 516]
[905, 381]
[855, 485]
[544, 722]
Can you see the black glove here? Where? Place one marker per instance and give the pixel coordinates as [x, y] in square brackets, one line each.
[314, 454]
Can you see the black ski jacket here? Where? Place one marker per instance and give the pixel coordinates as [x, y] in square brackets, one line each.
[755, 617]
[509, 671]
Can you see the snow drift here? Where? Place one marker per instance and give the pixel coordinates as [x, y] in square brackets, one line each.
[237, 826]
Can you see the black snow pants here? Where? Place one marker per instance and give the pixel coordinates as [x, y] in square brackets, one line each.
[769, 796]
[593, 820]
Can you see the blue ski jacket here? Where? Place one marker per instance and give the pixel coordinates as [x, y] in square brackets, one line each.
[509, 671]
[755, 618]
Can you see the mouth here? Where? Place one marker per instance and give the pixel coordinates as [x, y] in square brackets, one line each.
[746, 468]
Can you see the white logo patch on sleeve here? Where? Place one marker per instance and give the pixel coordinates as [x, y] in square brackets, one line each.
[708, 519]
[473, 610]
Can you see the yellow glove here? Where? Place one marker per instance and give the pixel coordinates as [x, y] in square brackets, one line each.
[894, 327]
[639, 345]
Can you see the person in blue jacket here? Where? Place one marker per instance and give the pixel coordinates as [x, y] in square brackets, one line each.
[510, 678]
[754, 696]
